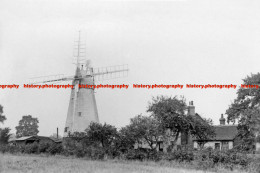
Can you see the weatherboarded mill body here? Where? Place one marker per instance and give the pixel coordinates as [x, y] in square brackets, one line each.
[82, 104]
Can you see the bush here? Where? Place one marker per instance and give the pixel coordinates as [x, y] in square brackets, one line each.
[55, 149]
[31, 148]
[155, 155]
[136, 154]
[95, 153]
[210, 158]
[180, 155]
[43, 147]
[3, 148]
[254, 165]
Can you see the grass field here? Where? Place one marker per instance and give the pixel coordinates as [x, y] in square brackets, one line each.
[59, 164]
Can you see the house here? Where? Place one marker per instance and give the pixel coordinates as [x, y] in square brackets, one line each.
[31, 139]
[183, 139]
[224, 138]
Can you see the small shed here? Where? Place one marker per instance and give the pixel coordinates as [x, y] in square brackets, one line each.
[31, 139]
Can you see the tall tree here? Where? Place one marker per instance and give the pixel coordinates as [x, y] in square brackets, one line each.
[4, 135]
[246, 110]
[28, 126]
[170, 112]
[5, 132]
[103, 134]
[2, 117]
[201, 128]
[145, 129]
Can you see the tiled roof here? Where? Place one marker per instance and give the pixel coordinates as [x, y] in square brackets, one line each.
[225, 132]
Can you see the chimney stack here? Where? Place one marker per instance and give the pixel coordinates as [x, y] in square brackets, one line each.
[57, 133]
[222, 120]
[191, 109]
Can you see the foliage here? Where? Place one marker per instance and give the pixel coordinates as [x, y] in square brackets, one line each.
[2, 117]
[170, 113]
[201, 128]
[211, 158]
[55, 149]
[245, 109]
[147, 129]
[124, 141]
[136, 155]
[31, 148]
[180, 155]
[43, 147]
[102, 134]
[4, 136]
[28, 126]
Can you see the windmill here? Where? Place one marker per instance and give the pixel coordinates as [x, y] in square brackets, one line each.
[82, 108]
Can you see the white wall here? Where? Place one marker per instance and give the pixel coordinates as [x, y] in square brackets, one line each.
[212, 144]
[257, 146]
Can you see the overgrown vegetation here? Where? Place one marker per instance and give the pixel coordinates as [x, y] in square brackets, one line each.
[206, 159]
[245, 110]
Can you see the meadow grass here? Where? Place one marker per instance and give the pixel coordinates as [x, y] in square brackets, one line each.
[60, 164]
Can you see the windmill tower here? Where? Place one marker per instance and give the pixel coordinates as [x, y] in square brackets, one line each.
[82, 108]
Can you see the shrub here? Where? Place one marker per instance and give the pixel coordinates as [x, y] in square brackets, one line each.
[3, 148]
[136, 154]
[31, 148]
[43, 147]
[95, 153]
[55, 149]
[155, 155]
[180, 155]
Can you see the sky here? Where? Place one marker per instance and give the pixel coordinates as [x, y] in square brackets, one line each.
[163, 42]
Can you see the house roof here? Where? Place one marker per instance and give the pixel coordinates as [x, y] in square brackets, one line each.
[225, 132]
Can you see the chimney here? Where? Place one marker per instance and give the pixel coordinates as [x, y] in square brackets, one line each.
[191, 109]
[222, 120]
[57, 133]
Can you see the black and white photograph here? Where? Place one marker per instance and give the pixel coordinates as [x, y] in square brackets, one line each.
[112, 86]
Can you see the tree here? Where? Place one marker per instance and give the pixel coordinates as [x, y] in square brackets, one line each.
[28, 126]
[4, 135]
[104, 134]
[201, 128]
[170, 112]
[245, 110]
[2, 117]
[145, 129]
[125, 141]
[5, 132]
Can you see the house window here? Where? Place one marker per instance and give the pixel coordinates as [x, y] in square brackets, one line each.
[160, 146]
[217, 146]
[225, 145]
[66, 129]
[79, 114]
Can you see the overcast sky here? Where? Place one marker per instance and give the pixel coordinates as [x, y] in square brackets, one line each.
[163, 42]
